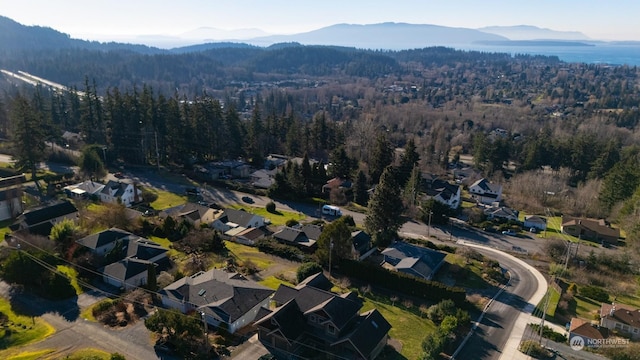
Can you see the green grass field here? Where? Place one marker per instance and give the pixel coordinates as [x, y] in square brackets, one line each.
[24, 329]
[554, 299]
[277, 219]
[166, 199]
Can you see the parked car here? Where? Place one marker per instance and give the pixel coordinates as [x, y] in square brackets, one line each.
[247, 199]
[119, 175]
[509, 232]
[533, 230]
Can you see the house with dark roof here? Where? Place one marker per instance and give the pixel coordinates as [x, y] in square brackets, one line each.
[621, 318]
[590, 333]
[127, 273]
[306, 320]
[248, 236]
[501, 212]
[226, 299]
[361, 244]
[485, 192]
[11, 196]
[104, 241]
[413, 260]
[232, 218]
[303, 237]
[335, 184]
[120, 192]
[597, 230]
[50, 215]
[84, 190]
[441, 190]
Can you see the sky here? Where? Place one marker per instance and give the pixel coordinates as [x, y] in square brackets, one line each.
[103, 19]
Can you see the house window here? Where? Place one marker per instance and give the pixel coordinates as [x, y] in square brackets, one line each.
[618, 326]
[635, 330]
[331, 329]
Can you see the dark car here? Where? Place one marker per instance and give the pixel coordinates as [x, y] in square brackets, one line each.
[247, 199]
[119, 175]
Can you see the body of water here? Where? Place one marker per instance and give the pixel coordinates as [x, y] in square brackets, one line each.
[600, 53]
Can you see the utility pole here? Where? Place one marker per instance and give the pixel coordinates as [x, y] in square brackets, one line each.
[544, 312]
[429, 227]
[330, 251]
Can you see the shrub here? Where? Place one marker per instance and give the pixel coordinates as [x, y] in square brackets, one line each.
[307, 269]
[271, 207]
[594, 292]
[533, 349]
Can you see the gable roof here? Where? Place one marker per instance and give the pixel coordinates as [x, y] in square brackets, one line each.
[403, 256]
[143, 249]
[599, 226]
[102, 238]
[361, 241]
[49, 213]
[117, 186]
[437, 187]
[535, 219]
[297, 236]
[223, 295]
[125, 269]
[240, 217]
[501, 212]
[621, 313]
[318, 281]
[586, 329]
[485, 185]
[367, 334]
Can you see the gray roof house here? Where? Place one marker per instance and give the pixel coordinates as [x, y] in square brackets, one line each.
[127, 273]
[231, 219]
[227, 299]
[361, 244]
[102, 242]
[332, 322]
[51, 214]
[485, 192]
[116, 191]
[413, 260]
[304, 236]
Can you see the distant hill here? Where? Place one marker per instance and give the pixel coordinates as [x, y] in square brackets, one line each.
[528, 32]
[391, 36]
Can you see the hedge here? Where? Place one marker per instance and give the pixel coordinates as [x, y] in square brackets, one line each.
[410, 285]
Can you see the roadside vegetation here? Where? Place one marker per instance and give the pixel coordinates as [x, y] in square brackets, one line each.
[19, 329]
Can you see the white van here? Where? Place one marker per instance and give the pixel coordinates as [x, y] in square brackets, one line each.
[331, 210]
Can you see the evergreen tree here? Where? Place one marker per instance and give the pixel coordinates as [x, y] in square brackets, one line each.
[340, 164]
[360, 194]
[412, 186]
[28, 137]
[335, 237]
[384, 216]
[381, 157]
[408, 161]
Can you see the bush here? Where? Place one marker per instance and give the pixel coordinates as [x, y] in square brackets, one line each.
[533, 349]
[273, 247]
[307, 269]
[594, 292]
[270, 207]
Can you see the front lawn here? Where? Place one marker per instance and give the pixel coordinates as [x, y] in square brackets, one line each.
[406, 325]
[19, 329]
[278, 218]
[165, 199]
[554, 299]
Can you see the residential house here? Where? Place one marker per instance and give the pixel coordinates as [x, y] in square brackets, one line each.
[597, 230]
[361, 245]
[622, 319]
[589, 332]
[336, 183]
[226, 299]
[248, 236]
[103, 242]
[275, 161]
[303, 237]
[48, 216]
[120, 192]
[127, 273]
[413, 260]
[328, 322]
[11, 196]
[441, 190]
[84, 190]
[194, 214]
[502, 213]
[535, 221]
[263, 178]
[231, 219]
[485, 192]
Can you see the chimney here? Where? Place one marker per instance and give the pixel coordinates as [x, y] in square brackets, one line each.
[613, 309]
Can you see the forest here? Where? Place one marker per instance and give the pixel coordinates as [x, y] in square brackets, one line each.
[534, 123]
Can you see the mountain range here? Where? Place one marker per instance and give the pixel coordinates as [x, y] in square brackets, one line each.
[382, 36]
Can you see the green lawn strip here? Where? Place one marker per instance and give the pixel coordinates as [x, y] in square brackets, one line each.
[406, 325]
[166, 199]
[584, 308]
[93, 354]
[165, 243]
[627, 299]
[554, 299]
[72, 274]
[24, 329]
[473, 277]
[30, 355]
[242, 253]
[273, 282]
[279, 218]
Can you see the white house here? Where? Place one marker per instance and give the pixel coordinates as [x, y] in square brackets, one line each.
[116, 191]
[52, 214]
[11, 196]
[104, 241]
[442, 191]
[501, 212]
[84, 189]
[224, 298]
[485, 192]
[535, 221]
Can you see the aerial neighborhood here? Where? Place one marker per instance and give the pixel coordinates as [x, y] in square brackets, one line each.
[234, 201]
